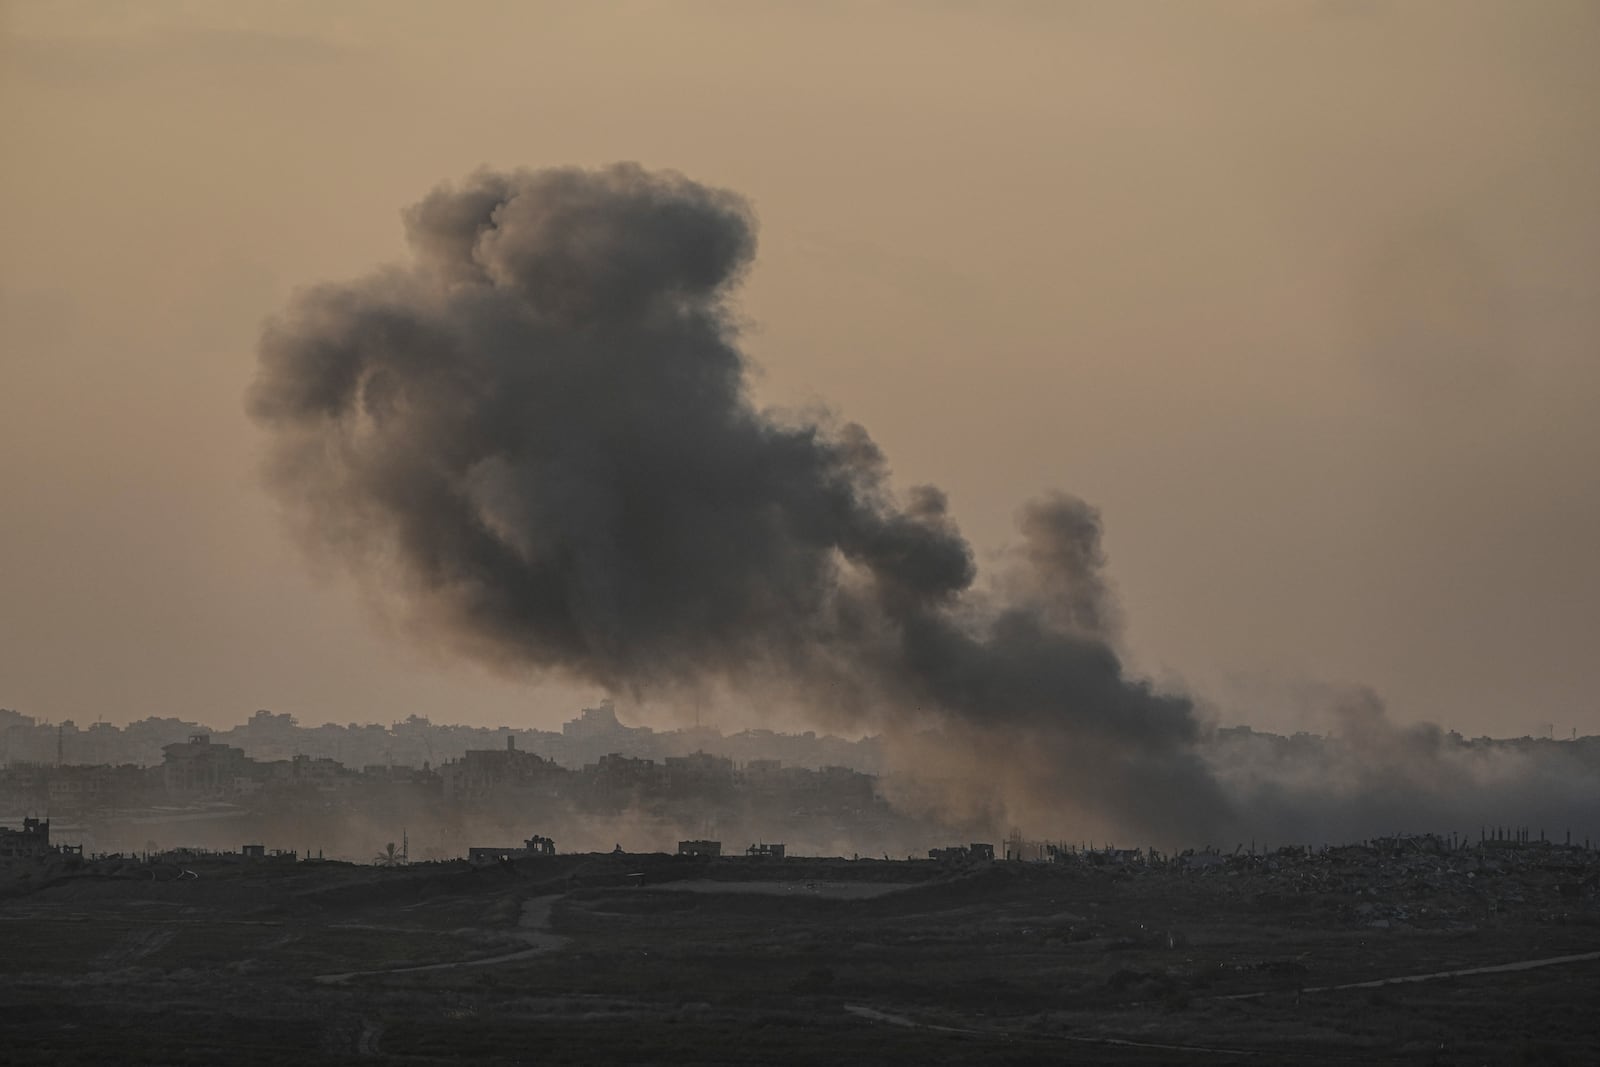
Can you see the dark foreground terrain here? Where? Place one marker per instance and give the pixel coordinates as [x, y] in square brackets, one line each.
[656, 959]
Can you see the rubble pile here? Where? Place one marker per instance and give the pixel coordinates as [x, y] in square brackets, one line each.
[1423, 881]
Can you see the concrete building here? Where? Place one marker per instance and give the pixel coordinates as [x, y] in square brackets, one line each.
[32, 842]
[198, 767]
[699, 774]
[481, 773]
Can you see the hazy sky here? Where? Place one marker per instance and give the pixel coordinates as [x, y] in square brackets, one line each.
[1305, 297]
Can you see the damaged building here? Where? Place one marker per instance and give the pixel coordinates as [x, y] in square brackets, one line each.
[536, 845]
[32, 842]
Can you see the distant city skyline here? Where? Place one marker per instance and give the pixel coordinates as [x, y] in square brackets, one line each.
[597, 777]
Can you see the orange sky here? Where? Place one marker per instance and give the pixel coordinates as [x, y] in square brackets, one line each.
[1305, 297]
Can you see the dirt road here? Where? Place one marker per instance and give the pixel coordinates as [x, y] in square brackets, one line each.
[532, 929]
[1496, 968]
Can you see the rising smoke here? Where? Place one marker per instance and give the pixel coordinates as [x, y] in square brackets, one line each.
[537, 441]
[1362, 774]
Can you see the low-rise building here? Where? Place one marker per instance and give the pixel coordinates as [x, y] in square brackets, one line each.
[533, 846]
[977, 852]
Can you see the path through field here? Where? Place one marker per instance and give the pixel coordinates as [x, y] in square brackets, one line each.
[1496, 968]
[532, 930]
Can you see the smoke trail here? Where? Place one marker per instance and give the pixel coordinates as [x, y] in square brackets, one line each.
[538, 438]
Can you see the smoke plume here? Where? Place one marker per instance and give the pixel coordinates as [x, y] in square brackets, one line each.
[1368, 775]
[537, 439]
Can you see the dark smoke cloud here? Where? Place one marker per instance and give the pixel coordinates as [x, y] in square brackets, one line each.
[1061, 536]
[538, 436]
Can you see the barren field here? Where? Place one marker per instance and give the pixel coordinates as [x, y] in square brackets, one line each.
[795, 888]
[655, 959]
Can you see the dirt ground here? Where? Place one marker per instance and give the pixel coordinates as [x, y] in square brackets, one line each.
[656, 959]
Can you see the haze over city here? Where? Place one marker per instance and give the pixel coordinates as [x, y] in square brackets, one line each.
[887, 531]
[1301, 298]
